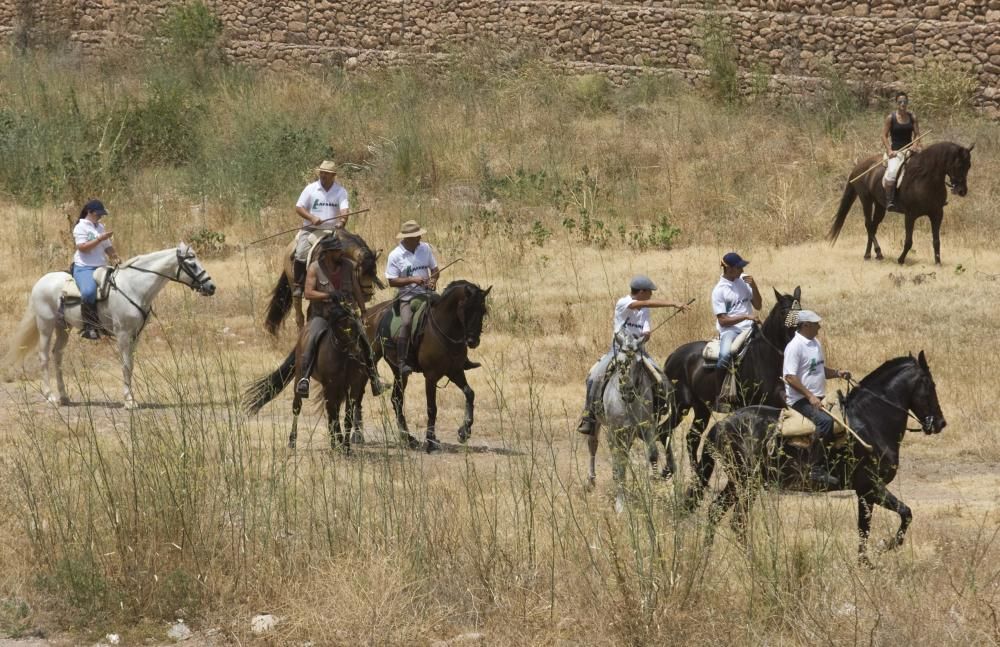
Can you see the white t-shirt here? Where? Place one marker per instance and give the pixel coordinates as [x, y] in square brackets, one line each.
[630, 321]
[732, 298]
[325, 205]
[86, 231]
[804, 359]
[403, 263]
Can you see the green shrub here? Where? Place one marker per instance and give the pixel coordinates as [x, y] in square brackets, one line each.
[720, 58]
[592, 93]
[941, 89]
[192, 29]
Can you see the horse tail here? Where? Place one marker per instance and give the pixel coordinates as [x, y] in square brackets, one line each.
[846, 202]
[280, 304]
[268, 387]
[25, 338]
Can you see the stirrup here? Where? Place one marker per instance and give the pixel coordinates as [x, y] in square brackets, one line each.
[302, 388]
[819, 475]
[378, 387]
[90, 333]
[404, 369]
[586, 426]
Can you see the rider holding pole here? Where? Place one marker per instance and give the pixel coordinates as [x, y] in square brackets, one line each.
[323, 201]
[900, 130]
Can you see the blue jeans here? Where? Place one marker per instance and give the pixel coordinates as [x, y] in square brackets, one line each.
[820, 418]
[726, 340]
[84, 277]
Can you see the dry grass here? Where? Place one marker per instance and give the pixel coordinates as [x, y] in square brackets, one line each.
[117, 519]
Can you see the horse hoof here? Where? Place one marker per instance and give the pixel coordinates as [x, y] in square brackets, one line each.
[291, 443]
[358, 438]
[463, 434]
[433, 444]
[409, 439]
[130, 405]
[620, 503]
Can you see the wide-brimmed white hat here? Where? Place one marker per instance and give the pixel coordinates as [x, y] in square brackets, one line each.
[808, 316]
[327, 167]
[410, 229]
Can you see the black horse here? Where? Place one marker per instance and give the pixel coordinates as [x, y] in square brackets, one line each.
[876, 409]
[758, 376]
[454, 325]
[922, 192]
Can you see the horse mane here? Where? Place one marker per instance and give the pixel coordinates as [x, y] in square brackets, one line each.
[932, 158]
[354, 239]
[457, 283]
[135, 259]
[881, 375]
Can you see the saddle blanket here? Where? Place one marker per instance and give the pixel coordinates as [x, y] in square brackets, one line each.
[71, 291]
[711, 351]
[797, 429]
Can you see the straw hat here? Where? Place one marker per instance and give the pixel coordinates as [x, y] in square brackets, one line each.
[410, 229]
[327, 167]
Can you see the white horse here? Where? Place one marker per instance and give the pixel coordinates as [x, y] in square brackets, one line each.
[133, 286]
[629, 411]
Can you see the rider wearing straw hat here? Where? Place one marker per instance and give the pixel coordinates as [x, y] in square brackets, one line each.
[330, 286]
[322, 202]
[413, 270]
[805, 372]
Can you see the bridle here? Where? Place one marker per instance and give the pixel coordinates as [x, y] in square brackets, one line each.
[198, 281]
[926, 425]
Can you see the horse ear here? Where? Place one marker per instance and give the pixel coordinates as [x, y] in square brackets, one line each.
[798, 293]
[922, 360]
[487, 292]
[971, 146]
[777, 295]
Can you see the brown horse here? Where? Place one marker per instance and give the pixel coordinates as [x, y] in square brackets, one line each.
[355, 248]
[921, 193]
[454, 325]
[338, 368]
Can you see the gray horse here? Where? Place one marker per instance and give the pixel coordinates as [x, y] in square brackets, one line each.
[629, 411]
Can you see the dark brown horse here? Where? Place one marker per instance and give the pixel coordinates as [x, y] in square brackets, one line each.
[758, 376]
[922, 192]
[355, 248]
[340, 371]
[454, 325]
[877, 409]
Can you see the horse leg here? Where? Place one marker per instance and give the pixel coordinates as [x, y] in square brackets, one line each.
[877, 218]
[126, 346]
[619, 463]
[62, 337]
[398, 390]
[908, 243]
[701, 416]
[720, 505]
[470, 404]
[869, 228]
[356, 426]
[430, 390]
[936, 233]
[592, 442]
[296, 409]
[883, 497]
[337, 435]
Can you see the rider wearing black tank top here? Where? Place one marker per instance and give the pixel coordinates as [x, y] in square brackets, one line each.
[900, 130]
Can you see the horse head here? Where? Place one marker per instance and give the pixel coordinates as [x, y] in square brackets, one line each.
[365, 262]
[957, 168]
[628, 367]
[473, 312]
[924, 400]
[779, 327]
[191, 273]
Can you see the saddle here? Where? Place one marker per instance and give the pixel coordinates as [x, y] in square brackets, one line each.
[740, 345]
[796, 429]
[391, 323]
[315, 238]
[70, 295]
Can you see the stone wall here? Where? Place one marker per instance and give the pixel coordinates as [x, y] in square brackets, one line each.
[796, 41]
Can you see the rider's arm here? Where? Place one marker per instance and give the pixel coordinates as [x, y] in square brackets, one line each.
[886, 142]
[656, 303]
[833, 372]
[435, 273]
[304, 213]
[86, 246]
[755, 299]
[794, 382]
[112, 255]
[731, 320]
[309, 291]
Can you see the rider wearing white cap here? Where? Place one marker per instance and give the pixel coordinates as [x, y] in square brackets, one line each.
[631, 318]
[805, 372]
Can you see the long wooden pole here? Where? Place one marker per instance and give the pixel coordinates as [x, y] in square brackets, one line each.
[901, 150]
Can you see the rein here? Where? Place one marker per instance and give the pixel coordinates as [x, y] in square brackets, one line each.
[460, 341]
[857, 385]
[198, 280]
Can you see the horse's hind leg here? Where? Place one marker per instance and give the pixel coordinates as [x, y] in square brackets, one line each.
[126, 347]
[398, 391]
[338, 438]
[592, 441]
[701, 416]
[871, 227]
[356, 425]
[430, 389]
[936, 233]
[720, 505]
[296, 409]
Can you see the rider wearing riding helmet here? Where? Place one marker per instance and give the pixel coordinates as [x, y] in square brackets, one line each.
[900, 130]
[93, 243]
[331, 289]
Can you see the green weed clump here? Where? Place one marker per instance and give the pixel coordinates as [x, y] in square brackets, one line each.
[941, 89]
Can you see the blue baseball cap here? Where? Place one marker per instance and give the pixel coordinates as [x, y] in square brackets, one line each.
[96, 206]
[732, 259]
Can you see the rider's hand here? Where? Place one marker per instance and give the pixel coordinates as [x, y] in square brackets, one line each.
[748, 279]
[892, 154]
[844, 375]
[107, 235]
[816, 402]
[417, 280]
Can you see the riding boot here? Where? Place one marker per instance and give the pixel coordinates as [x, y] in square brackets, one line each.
[88, 313]
[728, 393]
[298, 277]
[890, 197]
[818, 472]
[307, 359]
[402, 349]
